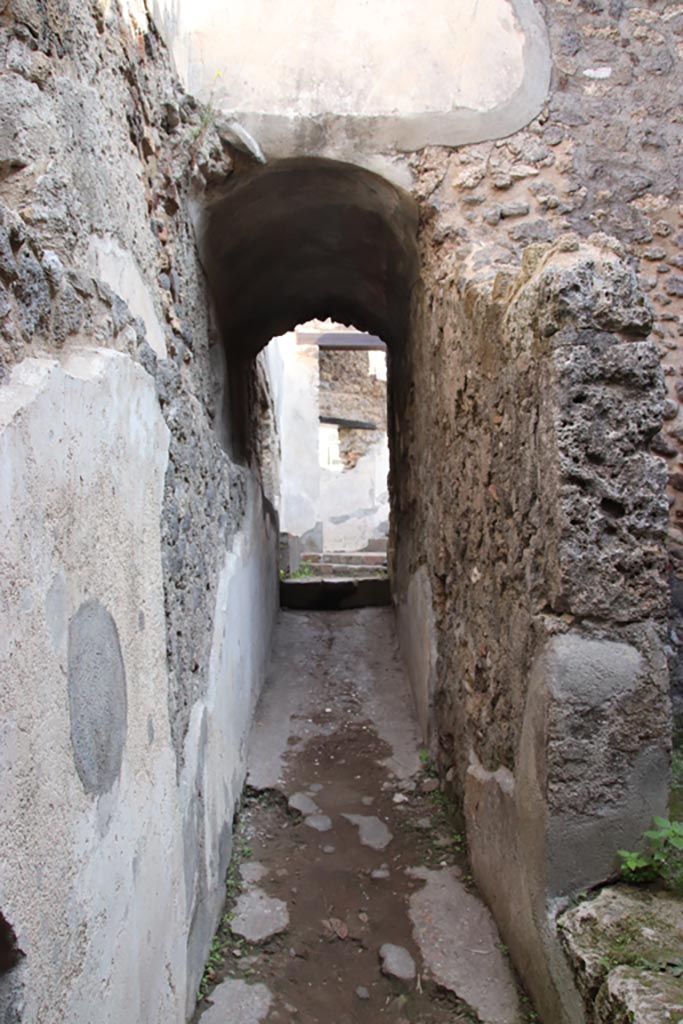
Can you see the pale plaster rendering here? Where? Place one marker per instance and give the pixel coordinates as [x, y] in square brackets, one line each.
[83, 459]
[293, 372]
[84, 453]
[356, 79]
[531, 437]
[417, 634]
[215, 745]
[354, 503]
[110, 263]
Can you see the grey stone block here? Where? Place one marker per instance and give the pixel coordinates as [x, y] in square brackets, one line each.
[98, 704]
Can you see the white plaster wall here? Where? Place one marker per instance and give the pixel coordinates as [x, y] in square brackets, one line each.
[247, 603]
[93, 885]
[354, 503]
[101, 888]
[293, 373]
[352, 57]
[373, 75]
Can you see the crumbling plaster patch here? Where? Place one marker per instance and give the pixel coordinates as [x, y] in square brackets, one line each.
[117, 268]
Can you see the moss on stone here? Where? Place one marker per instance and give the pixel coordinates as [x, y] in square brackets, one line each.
[626, 947]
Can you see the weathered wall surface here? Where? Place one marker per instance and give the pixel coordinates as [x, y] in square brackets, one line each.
[293, 372]
[354, 502]
[528, 470]
[89, 799]
[133, 546]
[330, 79]
[544, 544]
[603, 155]
[354, 496]
[349, 390]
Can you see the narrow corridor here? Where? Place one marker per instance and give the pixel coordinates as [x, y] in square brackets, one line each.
[348, 896]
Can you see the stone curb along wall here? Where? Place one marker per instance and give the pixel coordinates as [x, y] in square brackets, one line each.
[138, 570]
[544, 675]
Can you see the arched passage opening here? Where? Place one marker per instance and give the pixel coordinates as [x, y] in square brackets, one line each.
[301, 239]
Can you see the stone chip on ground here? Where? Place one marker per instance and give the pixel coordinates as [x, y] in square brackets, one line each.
[460, 946]
[253, 872]
[320, 822]
[303, 803]
[397, 962]
[372, 832]
[258, 916]
[236, 1002]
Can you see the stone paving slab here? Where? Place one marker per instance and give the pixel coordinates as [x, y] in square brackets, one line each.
[258, 917]
[371, 831]
[460, 945]
[236, 1002]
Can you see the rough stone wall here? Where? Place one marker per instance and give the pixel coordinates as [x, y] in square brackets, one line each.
[349, 391]
[120, 492]
[542, 670]
[604, 155]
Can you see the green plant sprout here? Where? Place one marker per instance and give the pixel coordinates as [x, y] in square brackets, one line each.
[664, 861]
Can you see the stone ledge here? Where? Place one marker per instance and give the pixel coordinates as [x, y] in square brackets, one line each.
[335, 594]
[619, 944]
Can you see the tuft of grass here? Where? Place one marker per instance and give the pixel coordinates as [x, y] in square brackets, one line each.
[224, 940]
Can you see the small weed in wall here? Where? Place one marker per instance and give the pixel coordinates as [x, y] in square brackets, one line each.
[664, 860]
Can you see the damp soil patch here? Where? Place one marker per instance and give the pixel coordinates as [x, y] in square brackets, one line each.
[346, 896]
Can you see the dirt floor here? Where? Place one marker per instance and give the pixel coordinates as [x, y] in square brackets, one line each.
[313, 895]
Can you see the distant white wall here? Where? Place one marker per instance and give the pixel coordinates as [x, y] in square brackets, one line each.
[348, 507]
[354, 503]
[293, 373]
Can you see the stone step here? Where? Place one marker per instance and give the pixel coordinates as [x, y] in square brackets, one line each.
[345, 557]
[359, 571]
[334, 594]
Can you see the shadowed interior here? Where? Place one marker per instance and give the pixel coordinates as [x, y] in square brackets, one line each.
[307, 238]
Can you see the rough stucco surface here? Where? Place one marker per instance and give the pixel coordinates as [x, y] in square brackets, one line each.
[349, 391]
[543, 538]
[532, 439]
[575, 536]
[350, 81]
[603, 155]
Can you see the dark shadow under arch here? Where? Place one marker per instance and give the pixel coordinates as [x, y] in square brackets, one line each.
[305, 238]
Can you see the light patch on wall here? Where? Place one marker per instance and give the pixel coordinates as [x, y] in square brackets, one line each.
[355, 57]
[328, 448]
[134, 13]
[117, 268]
[377, 365]
[371, 76]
